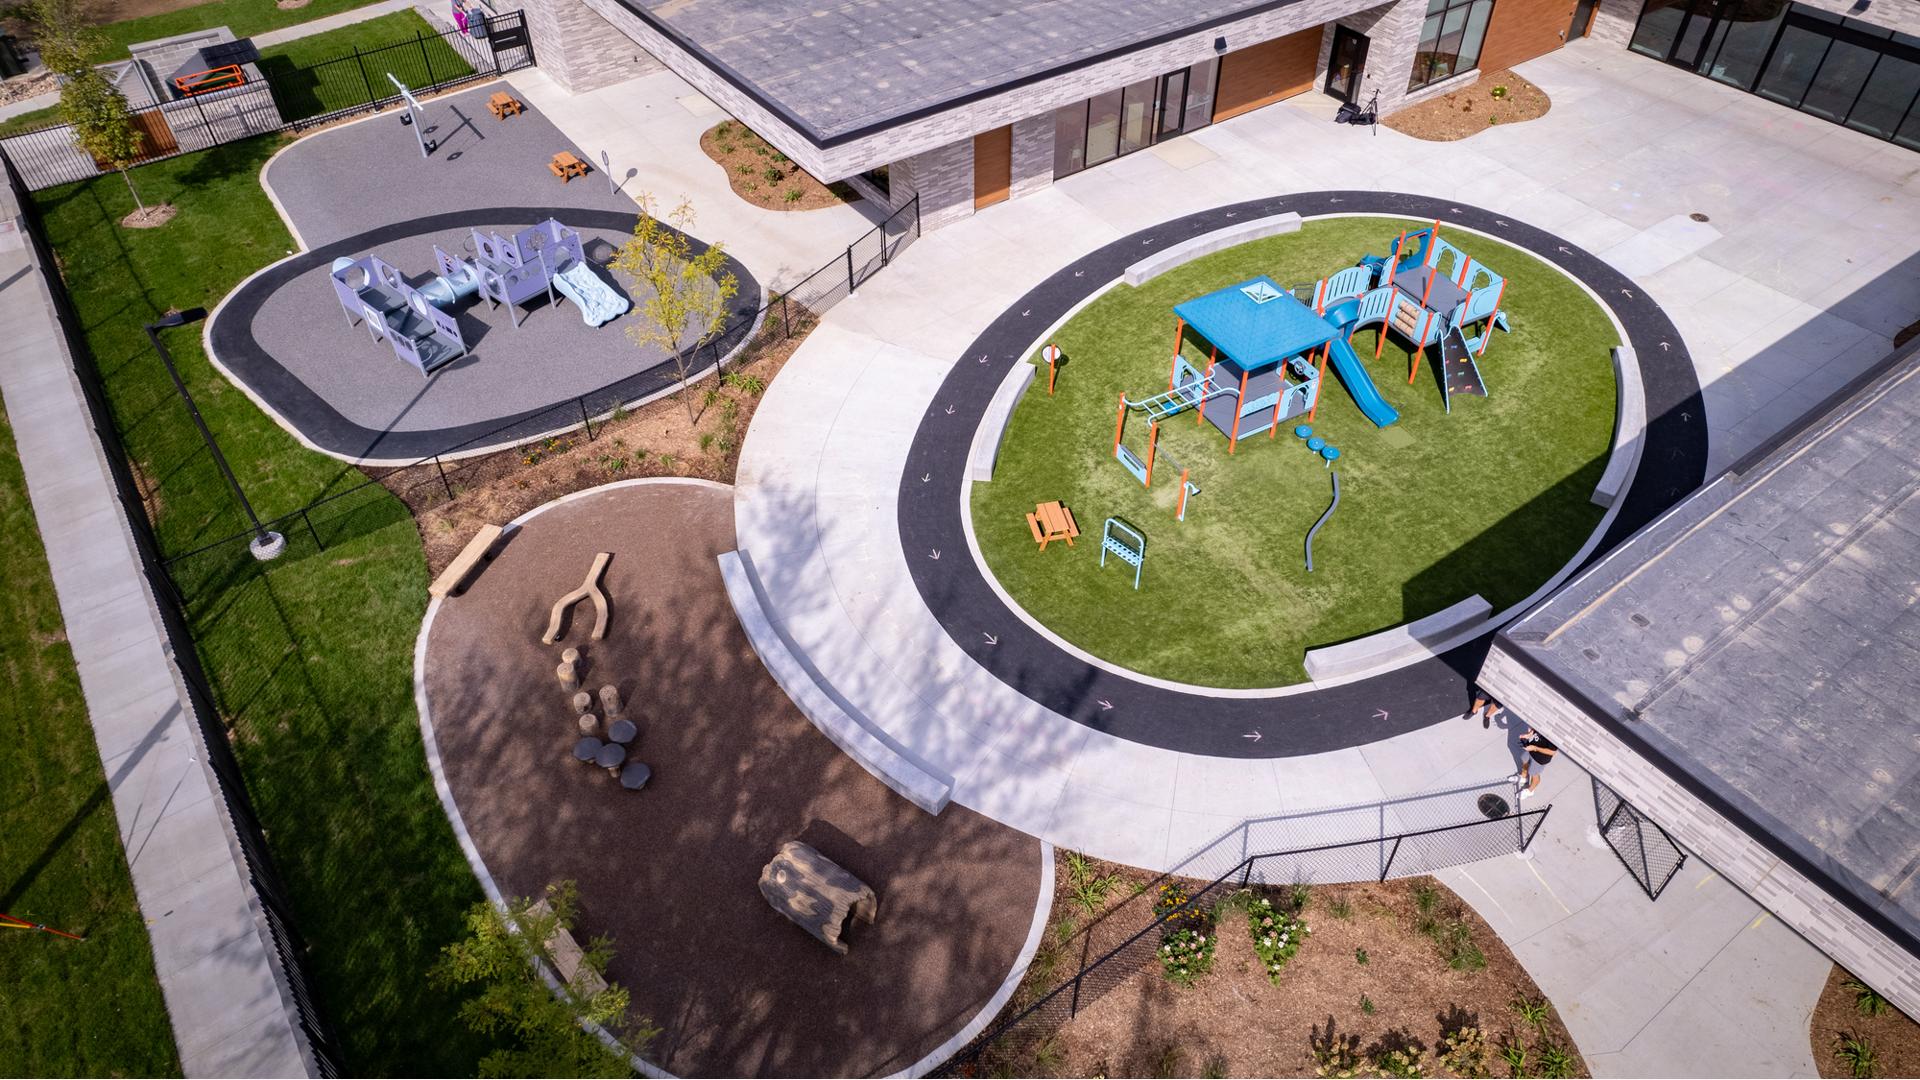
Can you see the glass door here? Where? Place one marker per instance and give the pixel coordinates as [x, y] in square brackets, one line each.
[1172, 104]
[1346, 67]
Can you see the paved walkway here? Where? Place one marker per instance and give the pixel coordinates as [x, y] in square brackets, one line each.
[650, 128]
[210, 945]
[335, 22]
[1804, 269]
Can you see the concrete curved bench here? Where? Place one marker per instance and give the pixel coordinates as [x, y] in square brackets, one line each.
[1388, 646]
[1629, 428]
[993, 426]
[913, 783]
[1219, 240]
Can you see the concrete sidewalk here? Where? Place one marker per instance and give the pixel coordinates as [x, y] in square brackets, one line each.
[332, 22]
[231, 1015]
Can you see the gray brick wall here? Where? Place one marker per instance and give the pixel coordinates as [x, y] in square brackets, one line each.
[579, 49]
[1613, 21]
[1032, 155]
[942, 177]
[1738, 857]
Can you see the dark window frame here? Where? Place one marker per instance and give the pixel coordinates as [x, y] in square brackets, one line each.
[1426, 57]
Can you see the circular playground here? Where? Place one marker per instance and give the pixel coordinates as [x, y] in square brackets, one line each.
[1463, 503]
[1466, 442]
[666, 861]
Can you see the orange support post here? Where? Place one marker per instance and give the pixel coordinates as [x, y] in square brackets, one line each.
[1393, 260]
[1240, 402]
[1380, 336]
[1119, 425]
[1180, 512]
[1179, 331]
[1153, 437]
[1319, 384]
[1052, 353]
[1487, 334]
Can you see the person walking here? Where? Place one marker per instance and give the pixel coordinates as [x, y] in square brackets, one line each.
[1488, 708]
[1540, 753]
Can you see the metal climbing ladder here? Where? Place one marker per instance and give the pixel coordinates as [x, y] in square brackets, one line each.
[1186, 396]
[1112, 540]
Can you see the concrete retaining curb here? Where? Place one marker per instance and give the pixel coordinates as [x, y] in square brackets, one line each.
[1629, 427]
[1185, 252]
[859, 742]
[1396, 645]
[993, 426]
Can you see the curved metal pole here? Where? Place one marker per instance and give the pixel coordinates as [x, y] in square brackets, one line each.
[1335, 505]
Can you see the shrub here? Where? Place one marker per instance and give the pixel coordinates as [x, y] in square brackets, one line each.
[1464, 1052]
[754, 385]
[1174, 905]
[706, 441]
[1335, 1056]
[1276, 935]
[1857, 1054]
[1404, 1064]
[773, 174]
[1215, 1068]
[1555, 1062]
[1366, 1004]
[1532, 1013]
[1339, 908]
[1498, 92]
[1360, 957]
[1088, 888]
[1866, 1001]
[794, 195]
[1186, 954]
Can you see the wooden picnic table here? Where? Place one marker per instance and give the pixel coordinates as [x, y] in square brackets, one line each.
[504, 105]
[1052, 521]
[565, 166]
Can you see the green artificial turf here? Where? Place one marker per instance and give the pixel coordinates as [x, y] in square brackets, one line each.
[311, 660]
[74, 1008]
[318, 74]
[244, 17]
[1492, 499]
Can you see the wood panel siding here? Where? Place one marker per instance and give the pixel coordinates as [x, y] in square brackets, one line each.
[1523, 29]
[992, 166]
[1263, 74]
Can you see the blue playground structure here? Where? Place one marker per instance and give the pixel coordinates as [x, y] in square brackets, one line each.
[1126, 544]
[1430, 293]
[539, 261]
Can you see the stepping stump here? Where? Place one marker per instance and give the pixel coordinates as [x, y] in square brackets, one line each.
[816, 894]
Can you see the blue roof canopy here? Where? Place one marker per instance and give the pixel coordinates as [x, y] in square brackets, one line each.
[1256, 324]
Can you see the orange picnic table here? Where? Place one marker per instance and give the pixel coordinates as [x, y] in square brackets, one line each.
[503, 105]
[565, 166]
[1052, 521]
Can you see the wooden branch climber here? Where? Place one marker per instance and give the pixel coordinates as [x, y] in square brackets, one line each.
[589, 588]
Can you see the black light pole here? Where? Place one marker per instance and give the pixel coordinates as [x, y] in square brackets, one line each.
[265, 544]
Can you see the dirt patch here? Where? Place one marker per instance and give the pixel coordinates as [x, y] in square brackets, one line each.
[291, 5]
[763, 175]
[657, 439]
[1325, 1002]
[1500, 97]
[31, 85]
[151, 217]
[1841, 1015]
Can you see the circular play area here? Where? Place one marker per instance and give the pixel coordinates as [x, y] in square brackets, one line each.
[1464, 447]
[774, 909]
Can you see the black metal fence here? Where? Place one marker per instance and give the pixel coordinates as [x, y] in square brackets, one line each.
[287, 946]
[429, 481]
[1650, 855]
[289, 97]
[1405, 854]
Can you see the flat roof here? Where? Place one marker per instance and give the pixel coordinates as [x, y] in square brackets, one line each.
[838, 70]
[1761, 643]
[1256, 333]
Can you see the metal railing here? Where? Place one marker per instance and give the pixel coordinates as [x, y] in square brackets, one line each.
[1650, 855]
[438, 478]
[258, 864]
[289, 97]
[1378, 858]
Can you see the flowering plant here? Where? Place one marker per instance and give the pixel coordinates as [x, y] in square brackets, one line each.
[1186, 954]
[1276, 935]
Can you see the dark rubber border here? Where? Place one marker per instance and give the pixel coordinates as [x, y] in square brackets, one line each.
[954, 587]
[237, 350]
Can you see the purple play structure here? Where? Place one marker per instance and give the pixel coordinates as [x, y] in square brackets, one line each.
[406, 318]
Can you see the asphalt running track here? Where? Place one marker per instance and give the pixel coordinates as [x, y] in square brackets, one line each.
[1672, 464]
[236, 348]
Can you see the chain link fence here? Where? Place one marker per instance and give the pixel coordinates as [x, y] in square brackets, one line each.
[1650, 855]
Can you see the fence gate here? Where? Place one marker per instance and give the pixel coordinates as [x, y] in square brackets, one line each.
[1648, 853]
[512, 46]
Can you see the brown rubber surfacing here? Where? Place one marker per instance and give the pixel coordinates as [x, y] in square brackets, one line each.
[670, 872]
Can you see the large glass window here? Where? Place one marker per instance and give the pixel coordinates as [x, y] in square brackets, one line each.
[1837, 68]
[1121, 121]
[1070, 139]
[1450, 40]
[1136, 115]
[1200, 83]
[1103, 127]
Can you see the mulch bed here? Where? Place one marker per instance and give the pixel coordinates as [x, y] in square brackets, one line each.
[1473, 109]
[670, 872]
[763, 175]
[1234, 1022]
[1894, 1038]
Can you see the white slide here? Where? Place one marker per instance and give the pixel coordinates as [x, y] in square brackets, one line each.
[597, 301]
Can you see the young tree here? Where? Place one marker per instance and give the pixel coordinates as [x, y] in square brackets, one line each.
[102, 123]
[64, 34]
[544, 1031]
[688, 307]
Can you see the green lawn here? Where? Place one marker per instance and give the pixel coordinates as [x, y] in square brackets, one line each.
[1491, 499]
[401, 43]
[311, 660]
[74, 1008]
[245, 17]
[27, 121]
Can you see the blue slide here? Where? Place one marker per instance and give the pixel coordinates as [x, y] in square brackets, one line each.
[1360, 384]
[597, 303]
